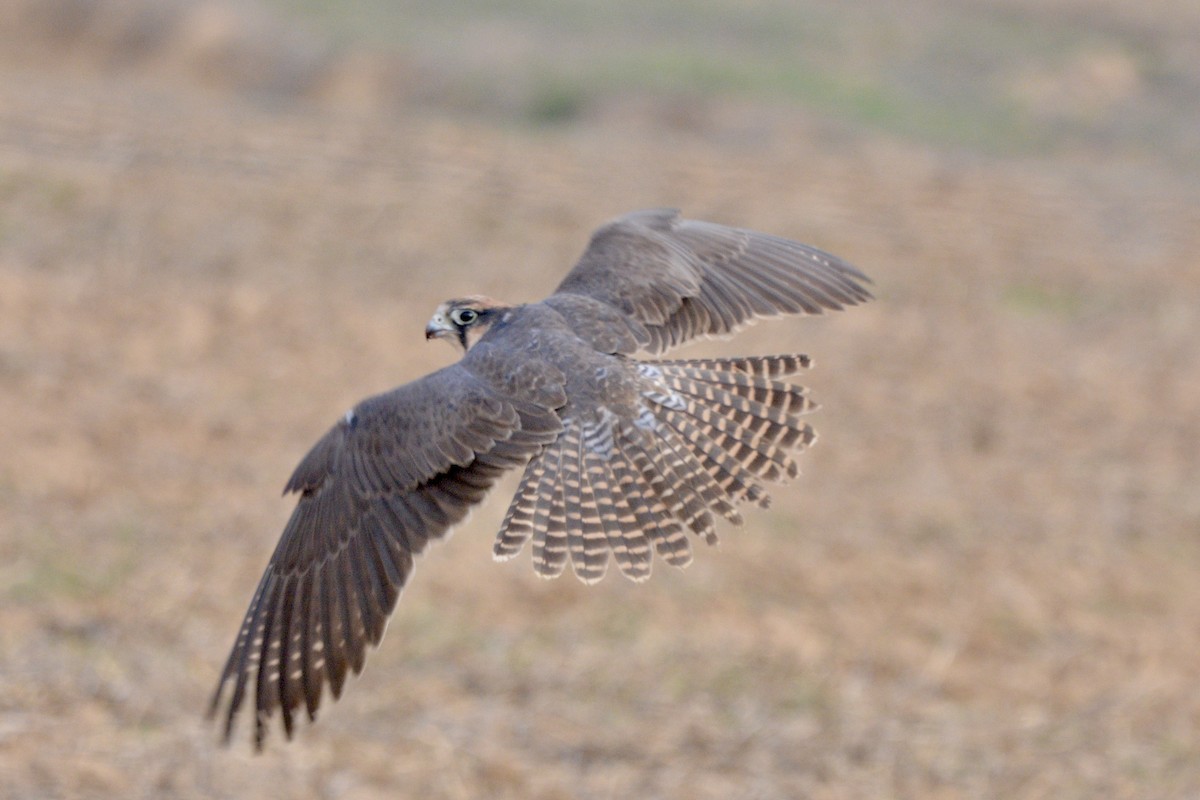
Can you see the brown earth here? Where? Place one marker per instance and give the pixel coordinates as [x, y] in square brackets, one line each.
[985, 584]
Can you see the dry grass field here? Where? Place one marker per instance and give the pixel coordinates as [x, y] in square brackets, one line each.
[986, 583]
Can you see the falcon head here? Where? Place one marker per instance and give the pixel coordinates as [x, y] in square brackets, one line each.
[465, 319]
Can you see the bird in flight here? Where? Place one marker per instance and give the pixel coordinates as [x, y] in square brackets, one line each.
[622, 457]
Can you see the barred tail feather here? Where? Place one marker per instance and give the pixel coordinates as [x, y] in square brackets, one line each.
[585, 529]
[693, 466]
[549, 518]
[755, 453]
[518, 523]
[625, 538]
[670, 541]
[756, 366]
[665, 477]
[735, 481]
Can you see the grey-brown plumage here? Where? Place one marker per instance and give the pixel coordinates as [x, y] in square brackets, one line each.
[622, 458]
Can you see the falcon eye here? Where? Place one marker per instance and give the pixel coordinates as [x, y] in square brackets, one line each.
[464, 316]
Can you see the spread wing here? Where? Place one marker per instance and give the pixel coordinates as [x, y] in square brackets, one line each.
[672, 279]
[398, 469]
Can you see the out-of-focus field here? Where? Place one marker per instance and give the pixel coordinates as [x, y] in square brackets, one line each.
[217, 233]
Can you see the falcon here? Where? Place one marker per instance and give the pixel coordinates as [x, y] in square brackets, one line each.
[622, 457]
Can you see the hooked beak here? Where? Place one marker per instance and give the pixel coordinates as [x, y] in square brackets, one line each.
[438, 327]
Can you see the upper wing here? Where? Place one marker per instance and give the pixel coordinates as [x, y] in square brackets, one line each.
[672, 279]
[398, 469]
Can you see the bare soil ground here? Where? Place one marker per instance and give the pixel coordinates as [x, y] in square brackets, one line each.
[985, 584]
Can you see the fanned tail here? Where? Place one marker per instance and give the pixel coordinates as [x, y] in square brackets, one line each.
[710, 433]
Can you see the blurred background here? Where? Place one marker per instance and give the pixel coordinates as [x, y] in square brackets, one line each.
[221, 224]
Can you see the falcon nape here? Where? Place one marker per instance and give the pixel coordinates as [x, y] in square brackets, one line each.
[621, 456]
